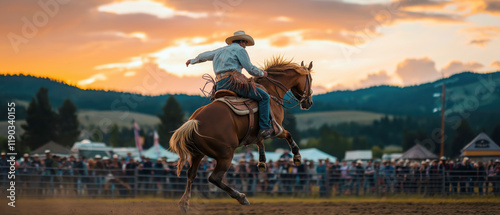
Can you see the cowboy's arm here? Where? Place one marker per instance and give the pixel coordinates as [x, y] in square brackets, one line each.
[245, 62]
[205, 56]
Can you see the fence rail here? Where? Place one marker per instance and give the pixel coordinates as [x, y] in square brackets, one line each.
[160, 183]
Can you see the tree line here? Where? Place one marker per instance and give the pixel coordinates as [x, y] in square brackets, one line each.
[44, 124]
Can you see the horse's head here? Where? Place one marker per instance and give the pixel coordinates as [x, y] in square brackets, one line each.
[302, 89]
[286, 75]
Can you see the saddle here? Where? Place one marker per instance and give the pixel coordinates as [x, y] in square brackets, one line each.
[245, 106]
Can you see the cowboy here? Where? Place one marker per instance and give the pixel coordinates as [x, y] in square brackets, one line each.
[227, 62]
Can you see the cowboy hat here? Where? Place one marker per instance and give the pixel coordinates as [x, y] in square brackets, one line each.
[240, 35]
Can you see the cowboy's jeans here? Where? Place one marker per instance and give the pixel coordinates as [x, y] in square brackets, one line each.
[260, 96]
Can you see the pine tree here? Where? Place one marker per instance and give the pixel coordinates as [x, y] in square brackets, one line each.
[464, 134]
[68, 124]
[114, 133]
[40, 126]
[171, 119]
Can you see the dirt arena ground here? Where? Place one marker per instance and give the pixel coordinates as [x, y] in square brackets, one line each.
[258, 206]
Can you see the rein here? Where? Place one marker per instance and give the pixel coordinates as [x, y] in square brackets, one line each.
[281, 100]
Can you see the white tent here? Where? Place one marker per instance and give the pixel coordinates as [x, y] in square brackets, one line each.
[311, 154]
[151, 153]
[315, 155]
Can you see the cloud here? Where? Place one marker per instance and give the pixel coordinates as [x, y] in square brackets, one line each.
[147, 79]
[375, 79]
[495, 64]
[416, 71]
[457, 67]
[482, 35]
[480, 42]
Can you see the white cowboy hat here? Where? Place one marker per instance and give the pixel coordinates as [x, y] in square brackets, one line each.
[240, 35]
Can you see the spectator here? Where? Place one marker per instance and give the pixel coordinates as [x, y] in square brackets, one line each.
[321, 170]
[130, 168]
[25, 173]
[497, 178]
[81, 170]
[301, 177]
[312, 174]
[388, 175]
[358, 176]
[272, 174]
[241, 175]
[253, 173]
[69, 179]
[469, 173]
[37, 171]
[369, 173]
[480, 176]
[344, 177]
[49, 166]
[145, 172]
[286, 155]
[490, 169]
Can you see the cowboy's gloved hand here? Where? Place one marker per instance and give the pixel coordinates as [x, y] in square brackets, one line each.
[265, 73]
[188, 62]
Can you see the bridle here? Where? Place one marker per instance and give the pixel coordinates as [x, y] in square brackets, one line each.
[303, 97]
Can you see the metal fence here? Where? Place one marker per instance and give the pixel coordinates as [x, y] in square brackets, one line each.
[160, 183]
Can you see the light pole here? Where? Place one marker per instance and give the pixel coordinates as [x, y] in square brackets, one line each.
[443, 108]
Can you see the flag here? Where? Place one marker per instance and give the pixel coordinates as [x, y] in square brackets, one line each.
[157, 144]
[138, 139]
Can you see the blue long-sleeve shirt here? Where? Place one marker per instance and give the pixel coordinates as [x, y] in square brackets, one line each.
[229, 58]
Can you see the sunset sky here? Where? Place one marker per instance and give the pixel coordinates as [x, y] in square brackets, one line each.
[141, 45]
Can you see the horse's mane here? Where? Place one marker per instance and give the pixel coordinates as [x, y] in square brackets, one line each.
[280, 64]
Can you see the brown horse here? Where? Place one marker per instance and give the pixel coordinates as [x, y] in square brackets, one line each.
[214, 130]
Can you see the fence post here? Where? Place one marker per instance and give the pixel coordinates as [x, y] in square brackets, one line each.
[136, 182]
[443, 182]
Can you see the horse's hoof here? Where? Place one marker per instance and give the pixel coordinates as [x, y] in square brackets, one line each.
[261, 166]
[297, 159]
[243, 200]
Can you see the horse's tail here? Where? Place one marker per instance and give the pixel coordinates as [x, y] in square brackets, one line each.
[179, 143]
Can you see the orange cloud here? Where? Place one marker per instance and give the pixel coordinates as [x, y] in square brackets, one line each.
[375, 79]
[457, 66]
[147, 79]
[495, 64]
[417, 71]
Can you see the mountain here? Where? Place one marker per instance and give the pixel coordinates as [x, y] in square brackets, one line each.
[466, 93]
[23, 88]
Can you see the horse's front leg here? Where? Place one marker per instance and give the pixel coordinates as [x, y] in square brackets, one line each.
[297, 159]
[262, 156]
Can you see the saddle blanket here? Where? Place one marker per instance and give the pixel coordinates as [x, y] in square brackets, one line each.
[239, 105]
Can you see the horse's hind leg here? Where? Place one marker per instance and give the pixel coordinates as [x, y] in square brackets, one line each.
[216, 179]
[262, 156]
[297, 159]
[191, 175]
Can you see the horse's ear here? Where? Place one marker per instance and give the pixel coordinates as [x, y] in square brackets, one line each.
[302, 63]
[310, 65]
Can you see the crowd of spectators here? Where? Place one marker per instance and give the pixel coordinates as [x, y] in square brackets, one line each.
[124, 176]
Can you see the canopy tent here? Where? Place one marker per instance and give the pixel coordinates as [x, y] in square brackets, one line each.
[55, 149]
[311, 154]
[162, 152]
[418, 152]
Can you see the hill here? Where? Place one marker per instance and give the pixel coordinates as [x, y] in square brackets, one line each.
[24, 88]
[470, 92]
[317, 119]
[467, 92]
